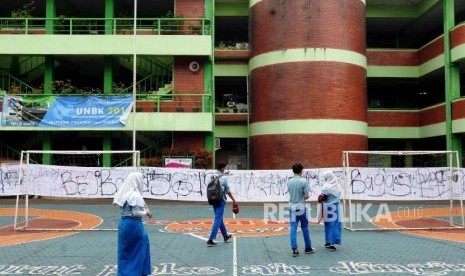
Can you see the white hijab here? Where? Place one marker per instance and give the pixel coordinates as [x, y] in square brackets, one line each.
[330, 184]
[131, 191]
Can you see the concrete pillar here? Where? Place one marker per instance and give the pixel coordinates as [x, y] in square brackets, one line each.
[308, 82]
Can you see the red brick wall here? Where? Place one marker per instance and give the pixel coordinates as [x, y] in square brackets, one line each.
[433, 115]
[392, 58]
[393, 119]
[312, 150]
[190, 8]
[302, 23]
[425, 117]
[302, 90]
[431, 51]
[231, 54]
[457, 36]
[458, 108]
[186, 81]
[307, 89]
[407, 57]
[188, 140]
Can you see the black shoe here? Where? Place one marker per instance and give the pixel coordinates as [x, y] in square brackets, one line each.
[211, 243]
[309, 250]
[295, 253]
[331, 247]
[227, 239]
[327, 244]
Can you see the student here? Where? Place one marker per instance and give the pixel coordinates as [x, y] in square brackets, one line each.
[298, 192]
[133, 241]
[231, 103]
[218, 209]
[330, 198]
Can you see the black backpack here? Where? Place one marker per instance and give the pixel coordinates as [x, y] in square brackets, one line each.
[215, 191]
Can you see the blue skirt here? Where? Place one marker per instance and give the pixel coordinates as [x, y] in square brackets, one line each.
[332, 221]
[133, 248]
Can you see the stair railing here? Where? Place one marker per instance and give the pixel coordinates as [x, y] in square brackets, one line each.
[9, 152]
[30, 64]
[13, 85]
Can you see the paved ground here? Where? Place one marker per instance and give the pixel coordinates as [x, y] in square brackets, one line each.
[178, 234]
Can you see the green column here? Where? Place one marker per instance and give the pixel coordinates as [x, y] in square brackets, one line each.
[452, 77]
[50, 13]
[49, 74]
[109, 14]
[209, 79]
[46, 146]
[107, 89]
[107, 146]
[107, 75]
[408, 158]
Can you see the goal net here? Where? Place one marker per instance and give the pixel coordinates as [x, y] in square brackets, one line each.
[402, 190]
[49, 182]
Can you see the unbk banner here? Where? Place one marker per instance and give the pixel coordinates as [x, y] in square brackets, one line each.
[66, 111]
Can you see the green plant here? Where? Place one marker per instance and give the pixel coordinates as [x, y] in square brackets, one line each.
[119, 88]
[170, 23]
[15, 89]
[196, 29]
[84, 25]
[203, 159]
[60, 24]
[63, 87]
[151, 162]
[26, 11]
[38, 90]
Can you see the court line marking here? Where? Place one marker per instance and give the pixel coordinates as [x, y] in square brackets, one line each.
[234, 257]
[197, 236]
[234, 252]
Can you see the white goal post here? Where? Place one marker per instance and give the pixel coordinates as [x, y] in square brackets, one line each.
[402, 190]
[59, 177]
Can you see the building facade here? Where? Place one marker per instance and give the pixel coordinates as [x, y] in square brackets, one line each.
[259, 84]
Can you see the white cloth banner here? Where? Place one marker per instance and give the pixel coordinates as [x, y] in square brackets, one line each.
[247, 185]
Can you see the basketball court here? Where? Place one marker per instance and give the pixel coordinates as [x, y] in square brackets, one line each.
[178, 233]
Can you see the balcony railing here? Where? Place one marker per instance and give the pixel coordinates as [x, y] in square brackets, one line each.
[173, 102]
[109, 26]
[176, 102]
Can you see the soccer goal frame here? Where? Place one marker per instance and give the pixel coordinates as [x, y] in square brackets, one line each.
[357, 161]
[121, 162]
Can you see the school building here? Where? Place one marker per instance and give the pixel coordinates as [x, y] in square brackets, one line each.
[307, 79]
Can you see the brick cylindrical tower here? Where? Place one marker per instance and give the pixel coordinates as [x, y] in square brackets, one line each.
[308, 82]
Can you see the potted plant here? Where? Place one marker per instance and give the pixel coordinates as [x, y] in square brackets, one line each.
[63, 87]
[61, 25]
[120, 88]
[195, 29]
[170, 23]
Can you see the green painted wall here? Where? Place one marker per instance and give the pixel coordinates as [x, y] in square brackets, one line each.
[401, 11]
[232, 70]
[177, 45]
[231, 9]
[231, 131]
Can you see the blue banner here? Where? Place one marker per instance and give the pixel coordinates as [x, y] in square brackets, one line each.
[66, 111]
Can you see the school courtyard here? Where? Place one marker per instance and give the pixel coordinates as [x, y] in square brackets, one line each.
[178, 234]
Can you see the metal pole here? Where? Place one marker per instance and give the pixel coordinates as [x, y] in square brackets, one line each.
[134, 80]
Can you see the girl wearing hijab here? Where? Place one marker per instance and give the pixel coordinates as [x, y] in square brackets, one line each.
[133, 241]
[330, 198]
